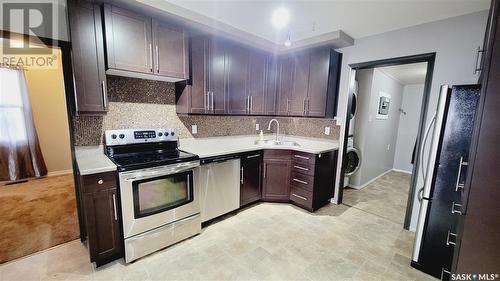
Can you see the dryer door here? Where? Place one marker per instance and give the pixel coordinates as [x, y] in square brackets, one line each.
[353, 161]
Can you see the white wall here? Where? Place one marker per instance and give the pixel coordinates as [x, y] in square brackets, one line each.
[375, 138]
[408, 126]
[455, 41]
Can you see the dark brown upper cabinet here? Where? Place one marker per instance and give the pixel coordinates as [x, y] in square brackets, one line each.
[271, 84]
[257, 67]
[138, 46]
[88, 58]
[217, 67]
[286, 72]
[171, 57]
[298, 96]
[237, 69]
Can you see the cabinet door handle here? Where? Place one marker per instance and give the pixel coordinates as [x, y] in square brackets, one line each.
[207, 99]
[114, 207]
[157, 59]
[247, 104]
[307, 106]
[241, 175]
[458, 184]
[251, 104]
[253, 156]
[301, 168]
[298, 196]
[104, 94]
[213, 102]
[150, 57]
[265, 169]
[287, 105]
[476, 67]
[304, 107]
[301, 157]
[299, 181]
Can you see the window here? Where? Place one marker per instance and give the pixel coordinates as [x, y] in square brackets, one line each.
[12, 123]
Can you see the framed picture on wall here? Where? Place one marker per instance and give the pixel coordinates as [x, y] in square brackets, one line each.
[384, 102]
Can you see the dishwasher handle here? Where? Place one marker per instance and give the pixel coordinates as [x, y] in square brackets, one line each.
[218, 159]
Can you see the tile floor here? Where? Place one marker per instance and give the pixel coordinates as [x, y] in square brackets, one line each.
[385, 197]
[263, 242]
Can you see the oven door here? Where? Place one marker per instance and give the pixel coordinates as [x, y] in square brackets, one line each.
[154, 197]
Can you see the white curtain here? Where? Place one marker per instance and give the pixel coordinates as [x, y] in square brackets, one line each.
[20, 152]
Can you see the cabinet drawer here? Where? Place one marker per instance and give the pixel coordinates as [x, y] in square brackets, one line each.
[302, 181]
[277, 154]
[301, 197]
[303, 168]
[304, 159]
[96, 182]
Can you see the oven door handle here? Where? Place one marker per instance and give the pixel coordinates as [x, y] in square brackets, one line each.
[139, 175]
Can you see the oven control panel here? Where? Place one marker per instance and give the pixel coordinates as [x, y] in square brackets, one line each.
[130, 136]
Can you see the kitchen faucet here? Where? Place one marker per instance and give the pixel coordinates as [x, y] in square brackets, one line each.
[277, 128]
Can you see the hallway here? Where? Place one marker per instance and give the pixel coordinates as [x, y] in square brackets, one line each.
[386, 197]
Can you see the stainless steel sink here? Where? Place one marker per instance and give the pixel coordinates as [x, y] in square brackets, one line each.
[276, 143]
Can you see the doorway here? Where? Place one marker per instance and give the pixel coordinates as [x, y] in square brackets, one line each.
[387, 106]
[37, 187]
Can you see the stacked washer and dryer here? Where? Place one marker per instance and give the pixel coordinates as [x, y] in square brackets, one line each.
[353, 155]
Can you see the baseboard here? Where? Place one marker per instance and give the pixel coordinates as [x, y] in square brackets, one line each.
[402, 171]
[370, 181]
[59, 173]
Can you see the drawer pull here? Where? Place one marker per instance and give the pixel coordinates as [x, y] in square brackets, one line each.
[299, 181]
[454, 210]
[301, 157]
[100, 181]
[298, 196]
[454, 235]
[253, 156]
[301, 168]
[460, 185]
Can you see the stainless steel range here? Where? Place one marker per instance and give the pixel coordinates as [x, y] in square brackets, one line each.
[159, 200]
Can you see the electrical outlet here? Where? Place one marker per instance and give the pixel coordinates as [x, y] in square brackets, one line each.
[257, 127]
[194, 129]
[389, 146]
[327, 131]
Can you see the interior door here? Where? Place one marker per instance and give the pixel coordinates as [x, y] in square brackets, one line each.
[257, 82]
[298, 96]
[128, 40]
[217, 76]
[171, 50]
[237, 65]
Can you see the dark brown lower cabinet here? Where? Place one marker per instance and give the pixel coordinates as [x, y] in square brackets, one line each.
[102, 219]
[250, 181]
[276, 176]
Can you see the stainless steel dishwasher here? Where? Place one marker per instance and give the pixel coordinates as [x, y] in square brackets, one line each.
[218, 179]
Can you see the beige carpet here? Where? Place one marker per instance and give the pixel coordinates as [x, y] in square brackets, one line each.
[37, 215]
[385, 197]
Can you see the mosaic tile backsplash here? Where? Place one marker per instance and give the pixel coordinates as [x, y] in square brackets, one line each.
[139, 103]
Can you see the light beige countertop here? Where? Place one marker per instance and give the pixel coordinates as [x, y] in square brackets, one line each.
[92, 160]
[216, 146]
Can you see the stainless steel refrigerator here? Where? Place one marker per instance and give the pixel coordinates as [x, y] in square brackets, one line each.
[444, 173]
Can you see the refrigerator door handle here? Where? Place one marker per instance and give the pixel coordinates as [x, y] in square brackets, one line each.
[420, 194]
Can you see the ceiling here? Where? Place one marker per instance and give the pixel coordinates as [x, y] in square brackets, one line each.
[357, 18]
[407, 74]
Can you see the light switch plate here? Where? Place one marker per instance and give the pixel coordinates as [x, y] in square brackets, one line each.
[327, 131]
[257, 127]
[194, 129]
